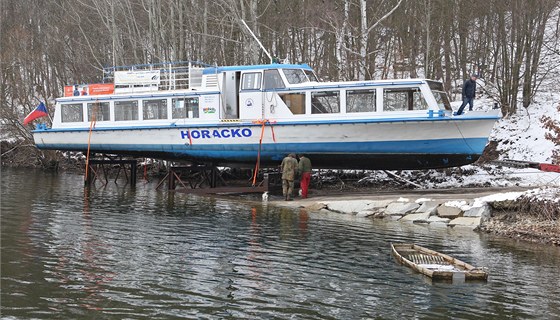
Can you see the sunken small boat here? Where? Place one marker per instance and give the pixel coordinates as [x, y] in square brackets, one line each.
[435, 265]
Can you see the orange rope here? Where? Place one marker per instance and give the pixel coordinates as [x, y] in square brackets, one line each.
[91, 126]
[190, 139]
[257, 165]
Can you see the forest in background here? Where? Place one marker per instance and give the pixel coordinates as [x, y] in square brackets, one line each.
[51, 43]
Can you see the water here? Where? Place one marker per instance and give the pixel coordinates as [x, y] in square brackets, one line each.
[117, 253]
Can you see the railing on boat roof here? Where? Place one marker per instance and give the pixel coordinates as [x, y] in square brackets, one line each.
[155, 76]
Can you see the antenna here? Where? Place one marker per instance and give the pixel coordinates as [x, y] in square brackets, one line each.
[260, 44]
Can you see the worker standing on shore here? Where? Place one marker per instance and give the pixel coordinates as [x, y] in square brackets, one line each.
[304, 169]
[288, 168]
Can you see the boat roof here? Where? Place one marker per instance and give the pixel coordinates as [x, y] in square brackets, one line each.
[213, 70]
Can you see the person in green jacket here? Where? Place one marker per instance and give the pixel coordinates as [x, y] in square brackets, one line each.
[304, 169]
[288, 168]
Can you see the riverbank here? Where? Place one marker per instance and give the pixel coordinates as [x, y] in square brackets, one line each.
[514, 212]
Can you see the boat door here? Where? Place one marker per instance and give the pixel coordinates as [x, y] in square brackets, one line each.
[250, 95]
[231, 93]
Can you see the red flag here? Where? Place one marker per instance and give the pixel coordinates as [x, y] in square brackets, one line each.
[40, 111]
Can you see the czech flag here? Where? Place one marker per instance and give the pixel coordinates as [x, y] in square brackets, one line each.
[40, 111]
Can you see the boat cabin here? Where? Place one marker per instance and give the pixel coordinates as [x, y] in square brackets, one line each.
[185, 93]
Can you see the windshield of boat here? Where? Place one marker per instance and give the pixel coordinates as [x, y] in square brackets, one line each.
[439, 94]
[295, 76]
[311, 75]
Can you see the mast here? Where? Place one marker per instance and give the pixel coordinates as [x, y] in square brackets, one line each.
[257, 39]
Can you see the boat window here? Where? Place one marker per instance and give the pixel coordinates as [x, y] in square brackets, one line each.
[185, 108]
[295, 76]
[126, 110]
[325, 102]
[155, 109]
[419, 101]
[251, 81]
[403, 99]
[435, 86]
[100, 110]
[442, 100]
[295, 102]
[441, 97]
[72, 112]
[272, 79]
[360, 100]
[311, 75]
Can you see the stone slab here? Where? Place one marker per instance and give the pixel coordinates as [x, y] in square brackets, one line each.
[317, 206]
[484, 212]
[416, 217]
[436, 219]
[449, 212]
[471, 222]
[428, 206]
[394, 217]
[401, 208]
[365, 213]
[377, 204]
[348, 206]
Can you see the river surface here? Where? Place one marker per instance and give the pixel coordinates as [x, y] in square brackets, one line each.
[120, 253]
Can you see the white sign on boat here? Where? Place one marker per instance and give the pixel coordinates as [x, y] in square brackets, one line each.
[140, 77]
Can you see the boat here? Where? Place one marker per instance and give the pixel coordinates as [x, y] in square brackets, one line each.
[435, 265]
[232, 115]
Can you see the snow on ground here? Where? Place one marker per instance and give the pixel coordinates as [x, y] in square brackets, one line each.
[520, 136]
[538, 194]
[493, 176]
[506, 196]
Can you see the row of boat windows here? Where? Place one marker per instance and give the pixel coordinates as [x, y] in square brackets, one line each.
[129, 110]
[363, 100]
[356, 101]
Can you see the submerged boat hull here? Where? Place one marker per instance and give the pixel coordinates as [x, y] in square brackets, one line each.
[433, 264]
[392, 144]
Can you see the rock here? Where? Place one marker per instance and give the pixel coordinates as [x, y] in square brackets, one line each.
[471, 222]
[484, 212]
[416, 217]
[401, 208]
[428, 206]
[317, 206]
[438, 224]
[365, 213]
[448, 212]
[394, 217]
[379, 215]
[436, 219]
[378, 204]
[350, 206]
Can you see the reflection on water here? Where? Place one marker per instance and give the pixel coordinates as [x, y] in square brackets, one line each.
[118, 253]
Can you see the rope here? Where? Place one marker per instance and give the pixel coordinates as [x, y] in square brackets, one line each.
[263, 123]
[462, 136]
[91, 126]
[189, 134]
